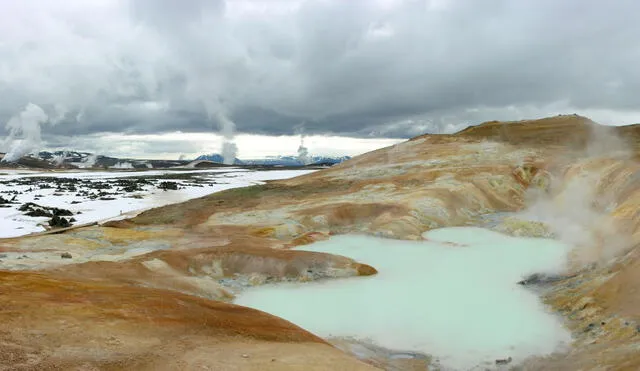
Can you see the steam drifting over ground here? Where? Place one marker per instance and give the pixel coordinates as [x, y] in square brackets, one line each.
[572, 207]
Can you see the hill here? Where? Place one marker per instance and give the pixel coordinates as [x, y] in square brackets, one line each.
[578, 178]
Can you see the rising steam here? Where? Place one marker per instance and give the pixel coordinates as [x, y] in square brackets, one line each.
[90, 160]
[303, 152]
[24, 132]
[59, 160]
[227, 129]
[122, 165]
[577, 206]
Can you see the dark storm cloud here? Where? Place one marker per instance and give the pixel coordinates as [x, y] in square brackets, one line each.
[362, 67]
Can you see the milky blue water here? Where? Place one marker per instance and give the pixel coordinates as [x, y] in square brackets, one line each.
[454, 297]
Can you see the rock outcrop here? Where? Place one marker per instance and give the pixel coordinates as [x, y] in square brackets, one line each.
[151, 292]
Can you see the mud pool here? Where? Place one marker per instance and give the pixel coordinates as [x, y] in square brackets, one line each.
[454, 297]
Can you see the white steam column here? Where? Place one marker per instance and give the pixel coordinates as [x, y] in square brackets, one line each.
[25, 124]
[303, 152]
[227, 129]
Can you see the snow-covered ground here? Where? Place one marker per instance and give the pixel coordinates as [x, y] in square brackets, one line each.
[96, 196]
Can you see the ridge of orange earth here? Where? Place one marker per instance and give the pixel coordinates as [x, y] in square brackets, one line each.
[51, 323]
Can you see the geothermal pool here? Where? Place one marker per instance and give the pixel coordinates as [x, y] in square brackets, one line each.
[454, 297]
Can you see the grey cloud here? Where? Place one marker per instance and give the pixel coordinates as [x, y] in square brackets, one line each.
[351, 67]
[174, 16]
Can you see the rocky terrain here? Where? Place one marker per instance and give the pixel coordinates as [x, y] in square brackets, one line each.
[153, 292]
[35, 201]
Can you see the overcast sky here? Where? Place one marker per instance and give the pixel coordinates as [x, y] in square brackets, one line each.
[366, 69]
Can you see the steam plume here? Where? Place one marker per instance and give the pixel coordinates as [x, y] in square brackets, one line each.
[227, 129]
[577, 208]
[122, 165]
[90, 160]
[303, 152]
[26, 124]
[59, 160]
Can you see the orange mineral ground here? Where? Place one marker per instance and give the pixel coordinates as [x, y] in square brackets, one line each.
[153, 292]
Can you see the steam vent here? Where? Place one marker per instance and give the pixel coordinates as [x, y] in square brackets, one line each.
[505, 246]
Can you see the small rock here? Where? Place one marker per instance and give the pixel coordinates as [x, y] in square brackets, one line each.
[66, 255]
[3, 255]
[541, 279]
[256, 279]
[59, 222]
[503, 361]
[38, 213]
[589, 327]
[168, 185]
[245, 356]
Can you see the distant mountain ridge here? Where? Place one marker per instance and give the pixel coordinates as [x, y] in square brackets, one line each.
[78, 159]
[86, 159]
[218, 158]
[279, 160]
